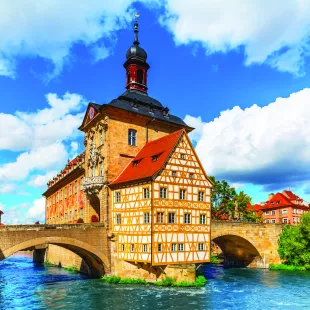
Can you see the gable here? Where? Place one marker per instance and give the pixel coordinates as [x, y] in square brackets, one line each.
[183, 167]
[91, 111]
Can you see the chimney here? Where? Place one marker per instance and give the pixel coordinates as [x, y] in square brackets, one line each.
[270, 196]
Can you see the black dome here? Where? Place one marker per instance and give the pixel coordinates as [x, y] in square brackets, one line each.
[136, 51]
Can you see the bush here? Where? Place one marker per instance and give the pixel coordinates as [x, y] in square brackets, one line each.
[214, 259]
[286, 267]
[111, 279]
[294, 243]
[168, 281]
[132, 281]
[48, 263]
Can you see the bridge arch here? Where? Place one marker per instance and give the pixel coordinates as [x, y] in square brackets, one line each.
[96, 261]
[238, 251]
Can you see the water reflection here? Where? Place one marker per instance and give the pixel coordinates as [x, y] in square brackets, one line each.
[26, 286]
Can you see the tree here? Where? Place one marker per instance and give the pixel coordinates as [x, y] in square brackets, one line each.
[227, 204]
[294, 243]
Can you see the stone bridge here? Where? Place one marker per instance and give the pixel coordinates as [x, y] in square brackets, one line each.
[242, 244]
[89, 241]
[247, 244]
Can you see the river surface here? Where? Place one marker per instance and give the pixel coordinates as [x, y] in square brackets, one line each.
[24, 285]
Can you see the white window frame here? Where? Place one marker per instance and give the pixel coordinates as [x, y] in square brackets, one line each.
[132, 247]
[159, 247]
[132, 137]
[173, 216]
[146, 193]
[182, 194]
[118, 219]
[160, 215]
[181, 247]
[187, 218]
[118, 196]
[146, 217]
[174, 247]
[163, 192]
[201, 247]
[203, 219]
[144, 249]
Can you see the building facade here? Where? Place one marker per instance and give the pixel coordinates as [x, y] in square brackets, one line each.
[284, 207]
[140, 176]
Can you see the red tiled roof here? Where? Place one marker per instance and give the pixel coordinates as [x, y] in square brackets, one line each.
[146, 167]
[280, 200]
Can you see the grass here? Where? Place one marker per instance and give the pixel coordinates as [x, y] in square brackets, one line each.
[71, 268]
[288, 267]
[168, 281]
[47, 263]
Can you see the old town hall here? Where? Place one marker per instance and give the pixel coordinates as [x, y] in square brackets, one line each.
[140, 177]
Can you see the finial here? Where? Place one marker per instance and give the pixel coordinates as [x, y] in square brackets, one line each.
[136, 30]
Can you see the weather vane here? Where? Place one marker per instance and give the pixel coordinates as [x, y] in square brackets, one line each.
[137, 16]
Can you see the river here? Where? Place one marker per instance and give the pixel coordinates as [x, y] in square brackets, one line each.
[24, 285]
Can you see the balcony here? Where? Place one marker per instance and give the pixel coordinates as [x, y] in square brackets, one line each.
[92, 185]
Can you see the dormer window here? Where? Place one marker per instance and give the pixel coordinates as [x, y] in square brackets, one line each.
[154, 158]
[135, 163]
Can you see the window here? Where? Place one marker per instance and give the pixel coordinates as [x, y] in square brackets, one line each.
[70, 189]
[123, 247]
[75, 187]
[132, 247]
[273, 221]
[191, 175]
[160, 217]
[173, 247]
[144, 247]
[154, 158]
[128, 77]
[75, 214]
[118, 219]
[171, 218]
[81, 213]
[294, 210]
[267, 221]
[267, 213]
[101, 169]
[140, 76]
[118, 196]
[181, 247]
[182, 156]
[70, 218]
[146, 193]
[285, 221]
[135, 163]
[146, 218]
[203, 219]
[163, 192]
[100, 137]
[201, 246]
[174, 173]
[182, 194]
[132, 137]
[66, 217]
[187, 218]
[200, 196]
[65, 192]
[160, 248]
[273, 212]
[81, 184]
[284, 211]
[61, 195]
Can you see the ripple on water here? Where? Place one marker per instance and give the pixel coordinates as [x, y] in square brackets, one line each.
[26, 286]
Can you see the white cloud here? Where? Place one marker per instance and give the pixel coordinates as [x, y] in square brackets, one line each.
[7, 188]
[58, 122]
[273, 32]
[40, 180]
[261, 145]
[24, 213]
[42, 158]
[48, 29]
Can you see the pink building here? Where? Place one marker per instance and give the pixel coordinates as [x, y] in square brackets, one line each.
[285, 207]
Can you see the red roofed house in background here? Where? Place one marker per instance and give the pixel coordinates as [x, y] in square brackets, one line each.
[285, 207]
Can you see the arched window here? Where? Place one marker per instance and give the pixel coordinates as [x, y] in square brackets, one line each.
[140, 76]
[128, 77]
[132, 137]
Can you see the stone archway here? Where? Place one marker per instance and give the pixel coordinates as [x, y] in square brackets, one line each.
[94, 260]
[238, 251]
[94, 203]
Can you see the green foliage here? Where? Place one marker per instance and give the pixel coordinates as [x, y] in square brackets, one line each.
[286, 267]
[294, 243]
[168, 281]
[214, 259]
[71, 268]
[47, 263]
[132, 281]
[111, 279]
[228, 204]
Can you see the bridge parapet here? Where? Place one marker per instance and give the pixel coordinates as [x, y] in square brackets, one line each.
[49, 226]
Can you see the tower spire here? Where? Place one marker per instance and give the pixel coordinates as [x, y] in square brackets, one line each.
[136, 30]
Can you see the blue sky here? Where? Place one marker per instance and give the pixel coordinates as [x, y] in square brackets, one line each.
[240, 76]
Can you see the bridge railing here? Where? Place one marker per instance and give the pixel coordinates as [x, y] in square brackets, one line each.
[50, 226]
